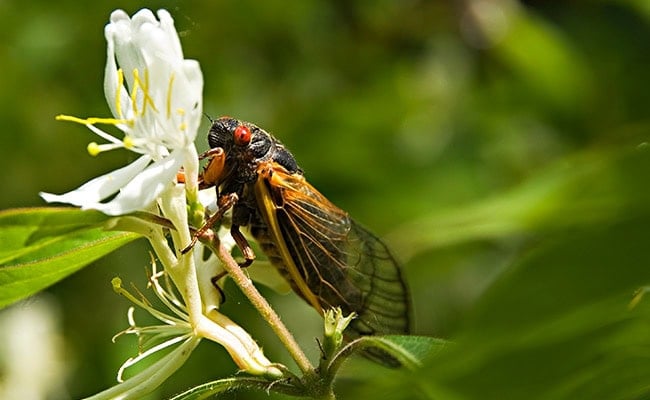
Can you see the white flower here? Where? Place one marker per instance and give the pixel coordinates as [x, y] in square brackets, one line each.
[175, 329]
[155, 97]
[155, 100]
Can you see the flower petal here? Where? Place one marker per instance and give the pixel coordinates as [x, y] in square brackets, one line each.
[146, 187]
[191, 97]
[101, 187]
[118, 34]
[151, 377]
[167, 25]
[112, 86]
[159, 50]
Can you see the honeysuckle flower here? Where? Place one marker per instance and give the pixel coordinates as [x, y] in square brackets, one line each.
[155, 97]
[176, 329]
[190, 276]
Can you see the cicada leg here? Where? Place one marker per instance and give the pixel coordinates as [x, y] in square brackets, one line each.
[213, 171]
[225, 203]
[242, 244]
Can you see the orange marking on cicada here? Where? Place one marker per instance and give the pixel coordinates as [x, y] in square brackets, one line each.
[180, 176]
[213, 170]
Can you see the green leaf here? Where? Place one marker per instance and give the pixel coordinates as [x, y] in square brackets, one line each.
[410, 351]
[209, 389]
[420, 347]
[41, 246]
[559, 325]
[562, 320]
[220, 386]
[25, 231]
[583, 190]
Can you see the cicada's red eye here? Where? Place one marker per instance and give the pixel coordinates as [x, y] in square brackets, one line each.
[242, 135]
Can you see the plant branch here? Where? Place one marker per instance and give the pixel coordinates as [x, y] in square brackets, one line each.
[262, 306]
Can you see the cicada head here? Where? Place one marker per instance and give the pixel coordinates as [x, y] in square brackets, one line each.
[221, 133]
[241, 140]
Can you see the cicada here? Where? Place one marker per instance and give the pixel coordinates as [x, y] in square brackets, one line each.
[328, 259]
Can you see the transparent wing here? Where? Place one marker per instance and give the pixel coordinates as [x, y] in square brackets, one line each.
[341, 263]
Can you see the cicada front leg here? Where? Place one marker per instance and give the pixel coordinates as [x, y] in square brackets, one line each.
[212, 172]
[225, 203]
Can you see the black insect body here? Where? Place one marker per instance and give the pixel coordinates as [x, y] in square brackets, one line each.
[328, 259]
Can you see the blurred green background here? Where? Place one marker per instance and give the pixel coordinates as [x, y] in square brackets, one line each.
[500, 148]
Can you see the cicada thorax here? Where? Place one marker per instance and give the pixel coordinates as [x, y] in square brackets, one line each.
[328, 259]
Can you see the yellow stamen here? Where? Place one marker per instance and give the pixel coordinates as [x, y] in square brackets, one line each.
[70, 118]
[146, 91]
[134, 91]
[169, 95]
[118, 95]
[182, 126]
[93, 149]
[144, 87]
[93, 120]
[128, 142]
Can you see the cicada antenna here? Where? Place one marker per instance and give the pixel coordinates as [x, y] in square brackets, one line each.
[208, 117]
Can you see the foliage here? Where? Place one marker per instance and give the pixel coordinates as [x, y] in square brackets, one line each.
[506, 162]
[43, 246]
